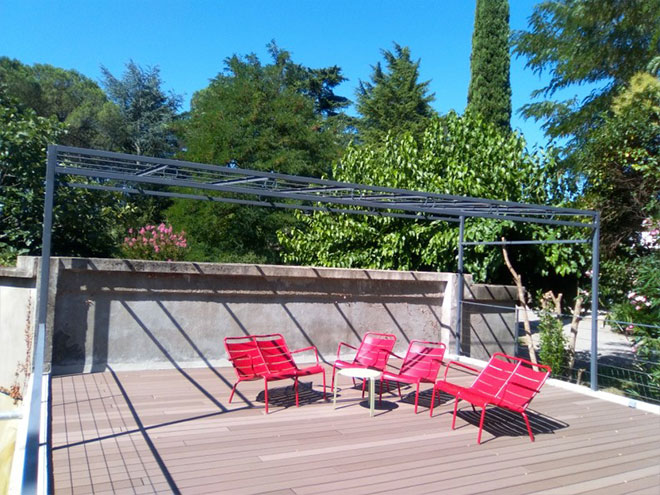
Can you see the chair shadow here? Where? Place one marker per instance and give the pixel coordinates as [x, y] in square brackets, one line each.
[286, 396]
[503, 423]
[425, 397]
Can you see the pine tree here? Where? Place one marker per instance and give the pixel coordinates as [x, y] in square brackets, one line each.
[394, 100]
[489, 94]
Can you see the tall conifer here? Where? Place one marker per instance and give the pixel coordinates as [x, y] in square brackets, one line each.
[489, 94]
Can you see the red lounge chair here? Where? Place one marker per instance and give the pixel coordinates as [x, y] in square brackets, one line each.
[506, 381]
[421, 364]
[374, 351]
[267, 357]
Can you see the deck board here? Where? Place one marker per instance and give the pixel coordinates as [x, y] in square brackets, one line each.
[169, 431]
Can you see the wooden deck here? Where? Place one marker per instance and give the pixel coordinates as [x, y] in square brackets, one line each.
[174, 432]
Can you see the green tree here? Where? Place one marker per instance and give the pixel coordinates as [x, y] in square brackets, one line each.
[279, 117]
[144, 123]
[621, 160]
[83, 221]
[598, 42]
[489, 94]
[438, 161]
[24, 137]
[394, 101]
[72, 98]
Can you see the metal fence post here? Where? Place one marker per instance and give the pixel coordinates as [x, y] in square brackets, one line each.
[31, 463]
[459, 291]
[595, 250]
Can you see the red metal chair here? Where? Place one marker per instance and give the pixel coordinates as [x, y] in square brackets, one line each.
[421, 364]
[506, 381]
[374, 351]
[267, 357]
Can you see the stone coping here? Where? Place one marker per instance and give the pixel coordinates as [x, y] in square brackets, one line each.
[26, 267]
[244, 270]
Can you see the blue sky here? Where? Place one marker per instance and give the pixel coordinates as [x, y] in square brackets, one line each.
[189, 39]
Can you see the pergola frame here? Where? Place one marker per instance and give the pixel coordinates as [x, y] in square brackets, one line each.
[135, 174]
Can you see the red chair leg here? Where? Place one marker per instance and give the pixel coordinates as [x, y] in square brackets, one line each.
[432, 402]
[416, 397]
[481, 423]
[529, 428]
[453, 421]
[266, 393]
[233, 389]
[323, 384]
[364, 386]
[295, 387]
[398, 384]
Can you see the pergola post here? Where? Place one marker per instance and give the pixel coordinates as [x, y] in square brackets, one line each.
[31, 463]
[459, 289]
[595, 259]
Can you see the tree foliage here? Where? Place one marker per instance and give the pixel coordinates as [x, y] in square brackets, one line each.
[83, 221]
[621, 160]
[70, 97]
[279, 117]
[145, 114]
[442, 160]
[394, 101]
[489, 93]
[598, 42]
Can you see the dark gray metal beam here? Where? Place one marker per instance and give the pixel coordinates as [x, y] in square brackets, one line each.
[459, 289]
[595, 275]
[289, 183]
[507, 243]
[361, 201]
[266, 204]
[31, 461]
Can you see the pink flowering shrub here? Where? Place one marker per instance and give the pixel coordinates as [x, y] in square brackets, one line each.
[153, 242]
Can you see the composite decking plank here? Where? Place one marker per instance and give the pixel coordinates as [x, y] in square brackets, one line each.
[646, 491]
[101, 424]
[619, 483]
[569, 475]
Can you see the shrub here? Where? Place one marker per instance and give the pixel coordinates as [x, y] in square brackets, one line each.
[152, 242]
[552, 349]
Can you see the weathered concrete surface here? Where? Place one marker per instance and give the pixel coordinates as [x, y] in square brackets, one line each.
[143, 314]
[137, 313]
[489, 320]
[17, 316]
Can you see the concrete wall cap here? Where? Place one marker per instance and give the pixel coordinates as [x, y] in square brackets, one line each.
[244, 270]
[489, 292]
[26, 267]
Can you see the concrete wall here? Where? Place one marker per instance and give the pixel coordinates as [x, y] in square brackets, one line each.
[138, 313]
[489, 320]
[142, 314]
[17, 318]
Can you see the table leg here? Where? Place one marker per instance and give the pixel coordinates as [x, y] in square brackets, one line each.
[372, 386]
[334, 393]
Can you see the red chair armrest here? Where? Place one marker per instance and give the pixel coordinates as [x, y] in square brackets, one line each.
[310, 348]
[347, 345]
[398, 357]
[460, 365]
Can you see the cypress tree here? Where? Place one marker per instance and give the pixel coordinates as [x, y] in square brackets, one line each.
[489, 94]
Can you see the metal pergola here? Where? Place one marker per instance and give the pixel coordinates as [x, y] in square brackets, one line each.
[134, 174]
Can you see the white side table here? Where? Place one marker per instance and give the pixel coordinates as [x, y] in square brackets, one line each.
[362, 373]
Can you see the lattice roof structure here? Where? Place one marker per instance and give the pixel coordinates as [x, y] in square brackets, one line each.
[133, 174]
